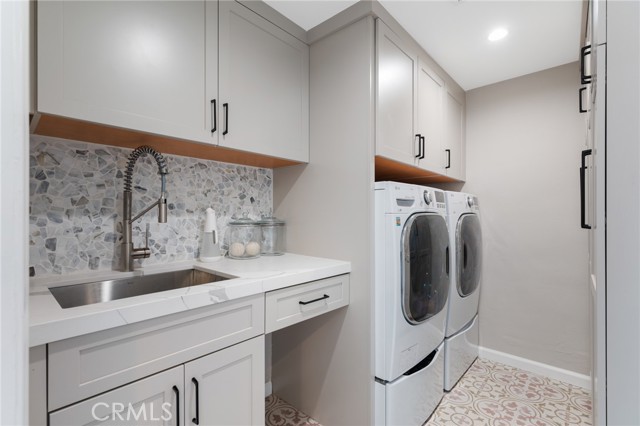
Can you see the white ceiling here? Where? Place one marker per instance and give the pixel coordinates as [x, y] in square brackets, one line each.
[542, 33]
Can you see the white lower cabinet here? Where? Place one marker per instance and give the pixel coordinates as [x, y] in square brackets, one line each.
[227, 387]
[205, 366]
[223, 388]
[156, 400]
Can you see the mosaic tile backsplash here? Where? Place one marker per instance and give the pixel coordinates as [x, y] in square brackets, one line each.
[75, 204]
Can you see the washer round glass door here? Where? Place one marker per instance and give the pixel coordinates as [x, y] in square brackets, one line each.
[425, 282]
[468, 254]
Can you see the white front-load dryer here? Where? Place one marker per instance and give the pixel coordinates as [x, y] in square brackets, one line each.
[462, 329]
[411, 291]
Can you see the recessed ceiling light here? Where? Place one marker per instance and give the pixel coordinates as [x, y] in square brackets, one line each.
[498, 34]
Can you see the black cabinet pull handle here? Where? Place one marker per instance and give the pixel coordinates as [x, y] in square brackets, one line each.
[448, 151]
[226, 118]
[196, 419]
[177, 392]
[419, 156]
[214, 116]
[423, 148]
[580, 108]
[584, 52]
[326, 296]
[583, 168]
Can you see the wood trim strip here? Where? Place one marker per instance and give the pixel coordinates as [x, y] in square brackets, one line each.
[387, 169]
[69, 128]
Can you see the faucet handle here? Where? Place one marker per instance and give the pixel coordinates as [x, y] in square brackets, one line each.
[146, 237]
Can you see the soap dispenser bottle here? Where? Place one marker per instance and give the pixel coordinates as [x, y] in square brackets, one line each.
[210, 250]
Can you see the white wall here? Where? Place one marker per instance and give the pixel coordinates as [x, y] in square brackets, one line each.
[13, 211]
[524, 138]
[324, 366]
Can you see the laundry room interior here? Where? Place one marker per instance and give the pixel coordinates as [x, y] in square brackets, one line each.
[288, 212]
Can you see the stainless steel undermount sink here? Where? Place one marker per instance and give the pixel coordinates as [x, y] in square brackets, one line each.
[71, 296]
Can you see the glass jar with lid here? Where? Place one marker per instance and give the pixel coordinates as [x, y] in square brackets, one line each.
[244, 238]
[273, 237]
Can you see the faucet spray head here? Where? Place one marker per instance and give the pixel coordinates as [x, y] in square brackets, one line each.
[162, 202]
[162, 209]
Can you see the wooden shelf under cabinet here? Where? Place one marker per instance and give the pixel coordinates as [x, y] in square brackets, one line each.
[79, 130]
[387, 169]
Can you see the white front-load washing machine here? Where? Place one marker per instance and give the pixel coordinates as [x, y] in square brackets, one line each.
[465, 242]
[411, 290]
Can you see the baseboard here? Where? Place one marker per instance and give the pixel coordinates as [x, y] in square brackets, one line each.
[536, 367]
[268, 389]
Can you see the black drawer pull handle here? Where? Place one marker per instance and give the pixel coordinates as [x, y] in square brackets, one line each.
[580, 107]
[584, 52]
[214, 116]
[177, 391]
[225, 106]
[196, 419]
[326, 296]
[583, 168]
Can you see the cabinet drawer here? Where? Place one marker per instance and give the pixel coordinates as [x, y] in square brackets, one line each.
[87, 365]
[298, 303]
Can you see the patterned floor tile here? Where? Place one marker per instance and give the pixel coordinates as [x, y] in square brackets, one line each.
[495, 394]
[279, 412]
[490, 394]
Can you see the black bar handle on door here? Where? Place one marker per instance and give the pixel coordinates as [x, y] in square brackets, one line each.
[225, 106]
[584, 52]
[177, 392]
[423, 148]
[583, 168]
[448, 151]
[420, 155]
[447, 261]
[580, 108]
[326, 296]
[214, 116]
[196, 419]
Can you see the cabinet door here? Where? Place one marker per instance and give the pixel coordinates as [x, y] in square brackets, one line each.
[227, 387]
[395, 97]
[156, 400]
[454, 136]
[133, 64]
[430, 118]
[264, 86]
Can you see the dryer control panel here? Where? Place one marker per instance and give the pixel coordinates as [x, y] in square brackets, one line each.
[408, 198]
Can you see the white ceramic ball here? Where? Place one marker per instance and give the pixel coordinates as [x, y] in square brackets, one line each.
[253, 249]
[236, 250]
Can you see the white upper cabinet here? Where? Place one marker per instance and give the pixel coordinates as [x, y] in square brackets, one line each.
[419, 112]
[395, 98]
[431, 92]
[454, 142]
[264, 86]
[204, 71]
[138, 65]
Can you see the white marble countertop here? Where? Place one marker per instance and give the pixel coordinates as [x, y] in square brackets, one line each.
[48, 322]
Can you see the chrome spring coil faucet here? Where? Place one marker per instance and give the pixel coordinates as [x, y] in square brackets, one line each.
[129, 253]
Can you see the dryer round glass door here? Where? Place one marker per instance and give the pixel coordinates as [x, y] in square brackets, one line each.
[425, 282]
[468, 254]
